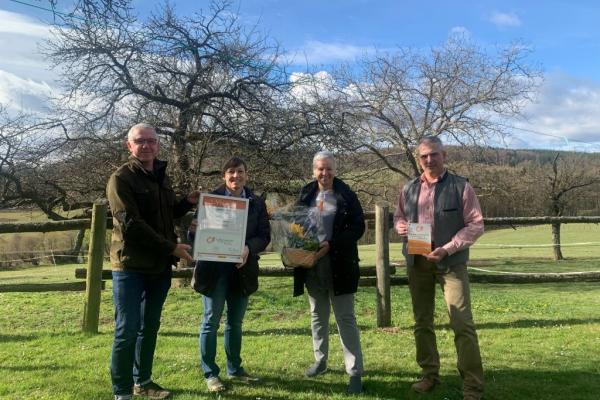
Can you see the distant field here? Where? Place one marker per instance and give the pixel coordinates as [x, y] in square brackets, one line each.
[22, 216]
[15, 246]
[485, 254]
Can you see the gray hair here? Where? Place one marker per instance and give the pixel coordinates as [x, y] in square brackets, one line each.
[139, 127]
[324, 155]
[429, 139]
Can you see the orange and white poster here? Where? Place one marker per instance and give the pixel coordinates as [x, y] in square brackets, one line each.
[419, 238]
[221, 231]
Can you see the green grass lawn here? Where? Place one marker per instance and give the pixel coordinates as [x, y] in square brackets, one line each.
[537, 341]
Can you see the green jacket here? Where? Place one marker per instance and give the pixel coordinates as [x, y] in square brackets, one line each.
[143, 207]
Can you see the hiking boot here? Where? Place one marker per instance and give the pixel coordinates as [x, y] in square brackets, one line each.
[151, 390]
[243, 377]
[472, 396]
[355, 385]
[214, 384]
[318, 368]
[424, 385]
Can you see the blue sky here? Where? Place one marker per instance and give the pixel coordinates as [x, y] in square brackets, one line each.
[564, 37]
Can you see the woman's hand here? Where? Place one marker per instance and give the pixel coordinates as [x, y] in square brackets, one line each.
[245, 253]
[323, 249]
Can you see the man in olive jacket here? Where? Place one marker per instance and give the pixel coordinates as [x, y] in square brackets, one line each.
[143, 248]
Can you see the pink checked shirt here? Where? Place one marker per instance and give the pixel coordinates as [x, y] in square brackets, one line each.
[471, 213]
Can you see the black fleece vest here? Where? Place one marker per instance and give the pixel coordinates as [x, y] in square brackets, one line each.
[447, 214]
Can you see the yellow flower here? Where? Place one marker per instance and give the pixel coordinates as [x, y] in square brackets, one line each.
[297, 230]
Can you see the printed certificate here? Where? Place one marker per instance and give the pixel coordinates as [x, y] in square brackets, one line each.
[419, 238]
[221, 231]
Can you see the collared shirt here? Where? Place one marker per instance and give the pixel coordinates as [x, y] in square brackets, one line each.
[472, 215]
[242, 195]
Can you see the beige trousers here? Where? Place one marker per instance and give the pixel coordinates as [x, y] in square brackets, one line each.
[422, 277]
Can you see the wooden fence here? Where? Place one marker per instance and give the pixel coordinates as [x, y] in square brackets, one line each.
[380, 275]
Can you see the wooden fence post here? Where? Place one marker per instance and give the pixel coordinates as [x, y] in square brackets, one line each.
[91, 310]
[382, 265]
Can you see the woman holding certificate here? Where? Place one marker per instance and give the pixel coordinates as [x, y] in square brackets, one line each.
[333, 280]
[228, 283]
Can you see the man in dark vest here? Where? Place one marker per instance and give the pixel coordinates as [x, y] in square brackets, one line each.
[448, 203]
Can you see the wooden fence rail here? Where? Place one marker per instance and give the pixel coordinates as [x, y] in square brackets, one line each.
[76, 224]
[82, 273]
[378, 276]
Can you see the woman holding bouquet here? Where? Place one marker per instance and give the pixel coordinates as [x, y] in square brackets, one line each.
[332, 282]
[227, 283]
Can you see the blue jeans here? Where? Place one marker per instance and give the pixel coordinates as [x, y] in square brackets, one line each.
[138, 300]
[213, 309]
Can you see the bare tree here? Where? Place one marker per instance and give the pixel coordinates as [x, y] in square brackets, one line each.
[201, 79]
[560, 184]
[458, 91]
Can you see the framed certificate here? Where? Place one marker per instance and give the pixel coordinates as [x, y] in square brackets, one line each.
[419, 238]
[221, 231]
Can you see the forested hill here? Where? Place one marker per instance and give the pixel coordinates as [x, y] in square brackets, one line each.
[508, 182]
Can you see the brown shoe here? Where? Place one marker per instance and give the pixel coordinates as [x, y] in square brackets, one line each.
[472, 396]
[152, 391]
[424, 385]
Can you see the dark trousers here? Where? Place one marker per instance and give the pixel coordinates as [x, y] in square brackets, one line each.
[138, 299]
[222, 294]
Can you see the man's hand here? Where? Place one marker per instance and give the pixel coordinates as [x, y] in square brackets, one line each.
[193, 197]
[193, 226]
[436, 255]
[323, 249]
[244, 257]
[181, 251]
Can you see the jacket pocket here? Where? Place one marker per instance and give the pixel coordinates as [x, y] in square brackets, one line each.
[146, 200]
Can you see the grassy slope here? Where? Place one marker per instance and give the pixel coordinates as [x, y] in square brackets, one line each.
[537, 341]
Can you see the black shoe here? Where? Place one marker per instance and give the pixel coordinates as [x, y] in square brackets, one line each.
[318, 368]
[355, 385]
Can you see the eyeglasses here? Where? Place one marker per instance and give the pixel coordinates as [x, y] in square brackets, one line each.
[141, 142]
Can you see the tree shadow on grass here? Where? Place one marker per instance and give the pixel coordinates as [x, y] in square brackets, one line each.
[16, 338]
[520, 323]
[263, 332]
[533, 323]
[31, 368]
[389, 384]
[528, 384]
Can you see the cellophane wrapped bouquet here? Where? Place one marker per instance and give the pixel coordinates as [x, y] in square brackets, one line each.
[294, 234]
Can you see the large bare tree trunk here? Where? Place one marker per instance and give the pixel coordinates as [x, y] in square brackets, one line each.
[76, 249]
[556, 241]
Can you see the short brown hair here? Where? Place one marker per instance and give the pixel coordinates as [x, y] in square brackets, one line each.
[234, 162]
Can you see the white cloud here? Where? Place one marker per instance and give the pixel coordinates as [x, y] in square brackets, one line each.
[565, 116]
[460, 31]
[503, 20]
[18, 94]
[22, 25]
[311, 87]
[317, 52]
[26, 80]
